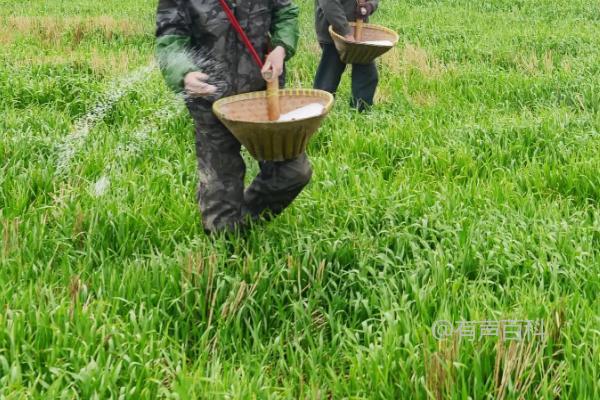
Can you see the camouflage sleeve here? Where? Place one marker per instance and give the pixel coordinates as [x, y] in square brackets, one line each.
[172, 43]
[336, 16]
[284, 28]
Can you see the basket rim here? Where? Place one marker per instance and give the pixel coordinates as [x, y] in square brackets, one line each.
[336, 35]
[263, 94]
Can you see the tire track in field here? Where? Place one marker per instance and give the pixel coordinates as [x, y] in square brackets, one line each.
[73, 142]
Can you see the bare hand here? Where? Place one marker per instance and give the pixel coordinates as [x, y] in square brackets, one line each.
[195, 84]
[349, 38]
[274, 64]
[364, 10]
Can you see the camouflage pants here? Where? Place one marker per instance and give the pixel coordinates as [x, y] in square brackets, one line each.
[223, 202]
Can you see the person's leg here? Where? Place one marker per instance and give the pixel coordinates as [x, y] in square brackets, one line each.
[221, 173]
[330, 70]
[364, 84]
[276, 186]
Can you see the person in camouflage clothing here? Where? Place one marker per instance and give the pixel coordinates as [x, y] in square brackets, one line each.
[200, 54]
[338, 13]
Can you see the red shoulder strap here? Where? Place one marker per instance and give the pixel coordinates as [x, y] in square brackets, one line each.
[238, 28]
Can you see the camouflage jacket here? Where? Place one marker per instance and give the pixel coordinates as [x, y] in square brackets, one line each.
[195, 35]
[336, 13]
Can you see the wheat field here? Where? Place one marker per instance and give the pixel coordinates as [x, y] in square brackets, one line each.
[469, 193]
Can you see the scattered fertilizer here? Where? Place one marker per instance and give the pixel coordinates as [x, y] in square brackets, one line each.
[209, 65]
[307, 111]
[116, 90]
[379, 42]
[101, 186]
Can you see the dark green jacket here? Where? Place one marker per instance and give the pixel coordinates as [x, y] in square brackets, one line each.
[195, 35]
[336, 13]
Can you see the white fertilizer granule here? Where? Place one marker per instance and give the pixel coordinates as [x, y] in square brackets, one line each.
[307, 111]
[379, 42]
[101, 186]
[76, 139]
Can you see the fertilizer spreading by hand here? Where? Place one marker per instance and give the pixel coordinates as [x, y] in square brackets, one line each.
[215, 70]
[207, 64]
[379, 42]
[307, 111]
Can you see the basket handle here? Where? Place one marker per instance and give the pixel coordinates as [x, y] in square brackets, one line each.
[358, 31]
[273, 107]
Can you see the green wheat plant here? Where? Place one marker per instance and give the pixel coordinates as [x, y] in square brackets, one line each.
[469, 193]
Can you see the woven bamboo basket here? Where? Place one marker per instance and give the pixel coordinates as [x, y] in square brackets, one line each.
[246, 116]
[364, 53]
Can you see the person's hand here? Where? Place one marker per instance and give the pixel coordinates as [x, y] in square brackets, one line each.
[349, 38]
[364, 10]
[273, 67]
[195, 84]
